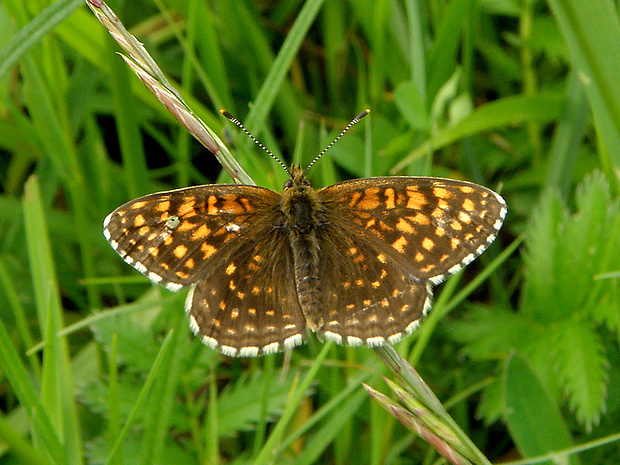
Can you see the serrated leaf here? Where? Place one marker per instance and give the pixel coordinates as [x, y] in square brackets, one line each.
[566, 252]
[582, 367]
[136, 346]
[581, 250]
[539, 258]
[491, 333]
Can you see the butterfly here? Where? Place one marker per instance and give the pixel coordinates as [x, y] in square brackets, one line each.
[353, 262]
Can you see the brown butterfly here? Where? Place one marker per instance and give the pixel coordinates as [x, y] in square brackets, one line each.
[353, 262]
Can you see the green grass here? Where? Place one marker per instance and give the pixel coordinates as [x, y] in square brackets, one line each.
[99, 366]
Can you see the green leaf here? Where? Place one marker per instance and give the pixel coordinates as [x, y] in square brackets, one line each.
[491, 333]
[595, 52]
[34, 32]
[240, 403]
[566, 252]
[532, 416]
[410, 104]
[541, 244]
[494, 115]
[582, 367]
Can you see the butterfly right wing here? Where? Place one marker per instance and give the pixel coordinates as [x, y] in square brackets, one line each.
[384, 241]
[367, 295]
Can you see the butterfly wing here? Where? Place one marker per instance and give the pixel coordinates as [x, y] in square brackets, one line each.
[394, 237]
[227, 240]
[246, 304]
[436, 225]
[172, 237]
[367, 296]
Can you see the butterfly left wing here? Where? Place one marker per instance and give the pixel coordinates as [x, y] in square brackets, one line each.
[171, 237]
[246, 304]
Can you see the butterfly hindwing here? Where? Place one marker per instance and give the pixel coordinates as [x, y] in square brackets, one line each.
[246, 303]
[368, 294]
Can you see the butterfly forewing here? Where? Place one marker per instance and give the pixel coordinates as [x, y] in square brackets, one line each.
[438, 225]
[172, 237]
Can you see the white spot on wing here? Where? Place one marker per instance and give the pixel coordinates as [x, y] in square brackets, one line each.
[438, 279]
[188, 300]
[455, 269]
[174, 287]
[229, 351]
[377, 341]
[427, 305]
[140, 267]
[293, 341]
[271, 348]
[248, 352]
[331, 336]
[193, 325]
[209, 342]
[106, 221]
[354, 341]
[412, 327]
[154, 277]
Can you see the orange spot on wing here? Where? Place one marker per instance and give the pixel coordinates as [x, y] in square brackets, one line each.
[211, 208]
[415, 200]
[201, 232]
[163, 206]
[186, 208]
[400, 244]
[207, 250]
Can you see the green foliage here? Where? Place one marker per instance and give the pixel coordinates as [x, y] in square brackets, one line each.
[528, 408]
[569, 306]
[512, 95]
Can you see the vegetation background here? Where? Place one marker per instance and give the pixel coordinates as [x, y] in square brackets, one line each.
[521, 96]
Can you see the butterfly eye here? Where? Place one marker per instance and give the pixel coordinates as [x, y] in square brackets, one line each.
[288, 184]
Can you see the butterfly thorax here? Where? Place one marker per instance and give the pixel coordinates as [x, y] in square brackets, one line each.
[303, 213]
[300, 203]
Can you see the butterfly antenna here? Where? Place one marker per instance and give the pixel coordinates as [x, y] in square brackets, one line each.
[353, 122]
[240, 125]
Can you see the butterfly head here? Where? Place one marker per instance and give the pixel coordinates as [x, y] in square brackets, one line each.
[297, 180]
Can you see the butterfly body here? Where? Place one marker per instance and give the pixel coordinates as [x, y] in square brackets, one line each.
[304, 219]
[353, 262]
